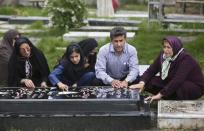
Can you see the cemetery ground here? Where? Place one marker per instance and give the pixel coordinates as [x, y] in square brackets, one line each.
[147, 39]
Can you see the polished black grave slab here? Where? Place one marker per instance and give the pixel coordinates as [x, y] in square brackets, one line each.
[85, 108]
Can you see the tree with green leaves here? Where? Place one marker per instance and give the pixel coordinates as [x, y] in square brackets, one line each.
[67, 14]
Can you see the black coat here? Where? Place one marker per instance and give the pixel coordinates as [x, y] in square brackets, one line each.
[72, 72]
[6, 49]
[40, 69]
[87, 46]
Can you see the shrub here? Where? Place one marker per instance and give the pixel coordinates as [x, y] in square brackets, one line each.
[67, 14]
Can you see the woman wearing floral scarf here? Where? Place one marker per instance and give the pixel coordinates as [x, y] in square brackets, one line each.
[180, 76]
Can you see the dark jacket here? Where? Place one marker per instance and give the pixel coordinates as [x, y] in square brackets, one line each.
[184, 68]
[6, 49]
[40, 69]
[87, 46]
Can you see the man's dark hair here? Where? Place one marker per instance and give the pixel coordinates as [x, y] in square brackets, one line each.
[117, 31]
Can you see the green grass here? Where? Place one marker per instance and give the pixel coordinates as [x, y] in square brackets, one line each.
[37, 25]
[48, 32]
[184, 25]
[134, 6]
[196, 48]
[148, 46]
[193, 26]
[147, 42]
[23, 11]
[48, 46]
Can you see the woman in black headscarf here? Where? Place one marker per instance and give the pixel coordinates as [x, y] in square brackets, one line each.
[89, 48]
[6, 49]
[71, 69]
[27, 66]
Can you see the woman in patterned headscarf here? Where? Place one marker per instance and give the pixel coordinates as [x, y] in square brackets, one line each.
[180, 77]
[6, 49]
[27, 66]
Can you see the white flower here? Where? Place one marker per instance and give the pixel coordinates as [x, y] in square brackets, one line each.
[73, 18]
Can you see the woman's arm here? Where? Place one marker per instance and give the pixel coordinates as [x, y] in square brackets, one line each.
[152, 70]
[148, 74]
[139, 86]
[54, 77]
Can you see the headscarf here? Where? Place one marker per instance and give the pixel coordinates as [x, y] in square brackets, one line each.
[72, 71]
[176, 46]
[16, 58]
[87, 46]
[6, 46]
[6, 49]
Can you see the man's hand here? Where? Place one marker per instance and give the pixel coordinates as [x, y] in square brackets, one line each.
[123, 84]
[62, 86]
[115, 83]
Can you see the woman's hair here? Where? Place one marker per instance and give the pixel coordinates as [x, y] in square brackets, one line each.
[19, 41]
[73, 47]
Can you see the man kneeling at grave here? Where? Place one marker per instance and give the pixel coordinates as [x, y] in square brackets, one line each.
[117, 62]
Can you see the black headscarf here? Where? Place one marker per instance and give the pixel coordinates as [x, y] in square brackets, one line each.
[6, 49]
[6, 46]
[87, 46]
[72, 72]
[17, 64]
